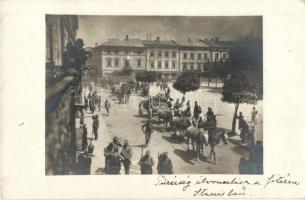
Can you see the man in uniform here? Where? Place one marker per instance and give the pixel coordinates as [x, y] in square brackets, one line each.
[147, 129]
[126, 153]
[165, 165]
[197, 110]
[253, 115]
[114, 160]
[146, 163]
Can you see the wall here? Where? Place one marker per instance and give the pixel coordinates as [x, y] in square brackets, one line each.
[60, 123]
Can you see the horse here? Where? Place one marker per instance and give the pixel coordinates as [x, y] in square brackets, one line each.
[196, 135]
[179, 124]
[215, 136]
[166, 116]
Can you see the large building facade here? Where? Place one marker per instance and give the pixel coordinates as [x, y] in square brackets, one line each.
[168, 57]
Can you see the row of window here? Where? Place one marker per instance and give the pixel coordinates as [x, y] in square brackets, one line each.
[126, 51]
[126, 62]
[167, 54]
[159, 65]
[185, 55]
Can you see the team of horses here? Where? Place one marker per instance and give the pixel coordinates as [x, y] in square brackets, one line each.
[188, 129]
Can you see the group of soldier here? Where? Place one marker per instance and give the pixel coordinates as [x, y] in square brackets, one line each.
[117, 155]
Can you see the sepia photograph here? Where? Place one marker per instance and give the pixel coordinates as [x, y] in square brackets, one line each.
[131, 95]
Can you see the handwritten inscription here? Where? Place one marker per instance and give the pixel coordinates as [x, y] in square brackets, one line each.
[232, 187]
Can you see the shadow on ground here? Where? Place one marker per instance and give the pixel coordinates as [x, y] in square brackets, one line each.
[185, 156]
[172, 139]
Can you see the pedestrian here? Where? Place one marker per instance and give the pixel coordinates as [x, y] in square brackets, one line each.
[114, 160]
[95, 126]
[85, 138]
[107, 106]
[253, 115]
[165, 165]
[146, 162]
[126, 153]
[147, 128]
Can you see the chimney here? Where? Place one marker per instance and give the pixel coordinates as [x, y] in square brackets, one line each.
[157, 38]
[189, 40]
[126, 38]
[217, 39]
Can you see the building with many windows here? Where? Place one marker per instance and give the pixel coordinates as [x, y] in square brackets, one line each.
[168, 57]
[162, 56]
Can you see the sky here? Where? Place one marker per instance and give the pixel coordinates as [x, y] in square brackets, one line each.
[98, 29]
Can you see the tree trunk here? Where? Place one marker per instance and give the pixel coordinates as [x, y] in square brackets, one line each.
[234, 118]
[216, 81]
[208, 82]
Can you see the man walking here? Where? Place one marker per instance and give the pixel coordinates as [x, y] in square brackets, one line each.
[146, 163]
[147, 129]
[126, 154]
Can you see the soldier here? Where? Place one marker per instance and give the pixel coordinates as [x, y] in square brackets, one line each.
[126, 153]
[107, 151]
[148, 130]
[146, 162]
[165, 165]
[114, 160]
[95, 126]
[197, 110]
[209, 114]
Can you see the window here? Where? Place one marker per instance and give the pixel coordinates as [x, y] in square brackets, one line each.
[109, 62]
[174, 54]
[159, 64]
[139, 51]
[166, 54]
[173, 65]
[116, 62]
[126, 51]
[192, 66]
[152, 53]
[139, 63]
[116, 51]
[184, 55]
[159, 54]
[152, 64]
[166, 65]
[184, 67]
[216, 56]
[192, 55]
[205, 56]
[224, 56]
[199, 56]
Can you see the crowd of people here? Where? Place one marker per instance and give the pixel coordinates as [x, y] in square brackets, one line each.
[117, 155]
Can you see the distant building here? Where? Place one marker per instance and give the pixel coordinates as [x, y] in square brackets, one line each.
[163, 57]
[168, 57]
